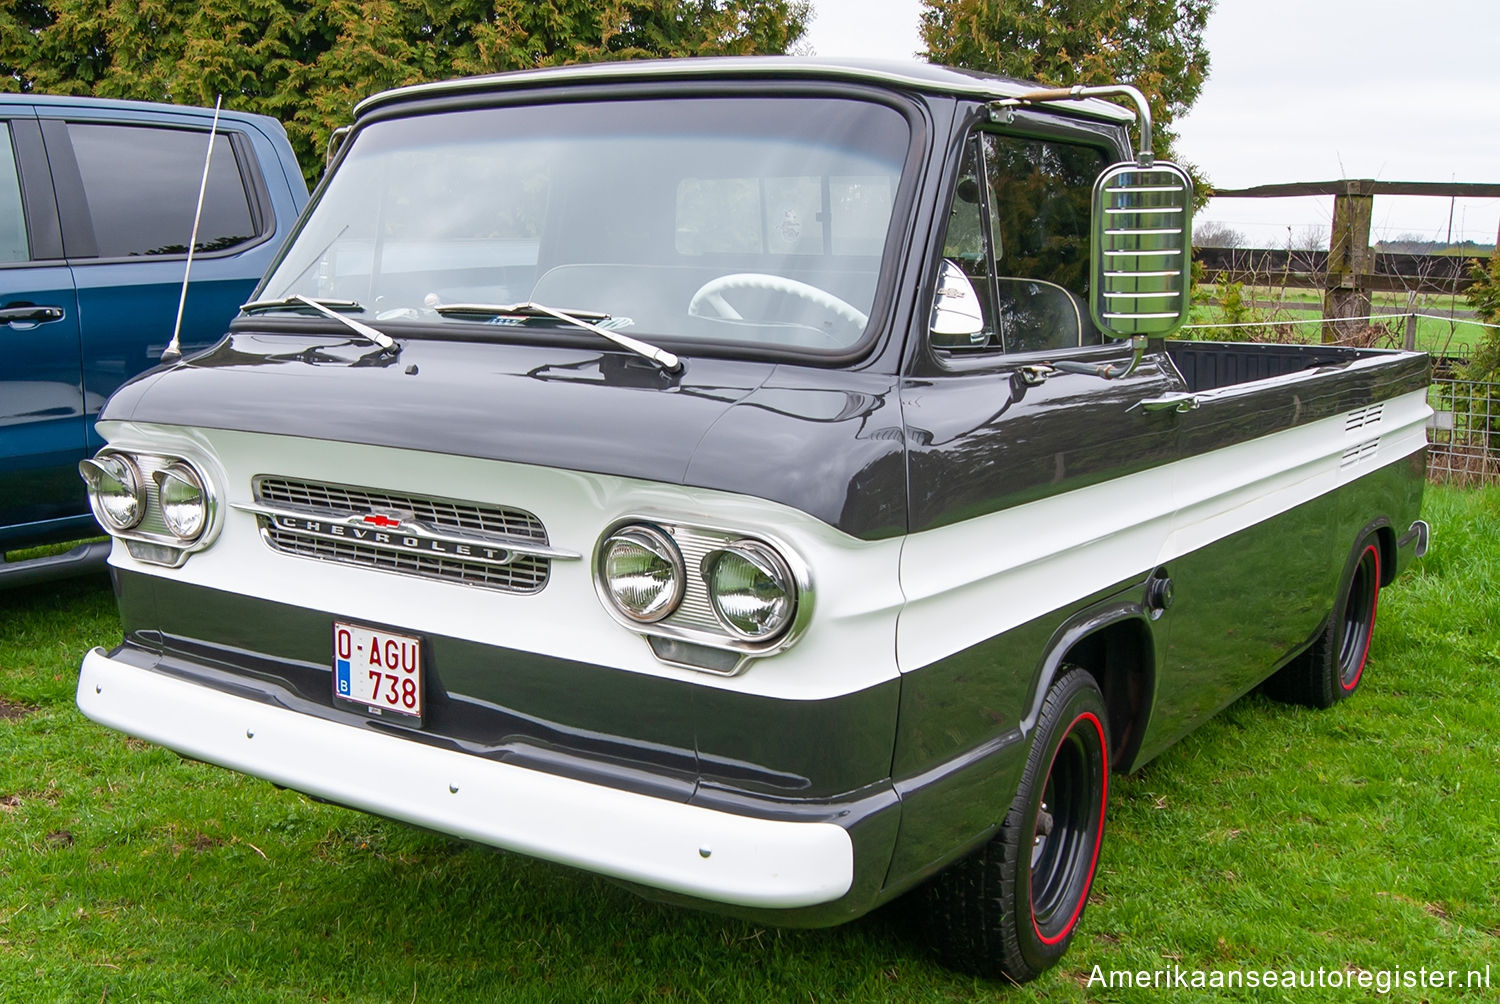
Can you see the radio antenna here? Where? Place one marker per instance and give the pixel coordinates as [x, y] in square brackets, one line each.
[173, 351]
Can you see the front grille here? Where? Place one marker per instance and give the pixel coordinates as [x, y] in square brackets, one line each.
[447, 513]
[484, 524]
[696, 612]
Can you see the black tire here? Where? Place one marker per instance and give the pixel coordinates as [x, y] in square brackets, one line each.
[1332, 668]
[1009, 910]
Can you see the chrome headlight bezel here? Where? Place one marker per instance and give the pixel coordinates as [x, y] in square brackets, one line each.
[119, 469]
[174, 479]
[694, 636]
[152, 538]
[765, 561]
[655, 544]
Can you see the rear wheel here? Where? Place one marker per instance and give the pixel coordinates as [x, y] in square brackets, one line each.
[1332, 668]
[1010, 909]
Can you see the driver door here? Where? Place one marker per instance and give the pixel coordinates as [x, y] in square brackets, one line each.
[1035, 494]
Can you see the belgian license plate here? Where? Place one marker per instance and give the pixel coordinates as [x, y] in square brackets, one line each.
[378, 669]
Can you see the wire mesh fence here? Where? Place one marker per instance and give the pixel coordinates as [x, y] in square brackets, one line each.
[1464, 435]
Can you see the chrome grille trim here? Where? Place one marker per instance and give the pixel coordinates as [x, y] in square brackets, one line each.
[450, 514]
[524, 575]
[448, 540]
[153, 524]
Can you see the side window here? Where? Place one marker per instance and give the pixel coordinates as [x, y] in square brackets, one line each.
[967, 245]
[142, 188]
[13, 244]
[1035, 199]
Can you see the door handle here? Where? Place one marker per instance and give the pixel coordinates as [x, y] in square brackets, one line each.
[1170, 402]
[30, 315]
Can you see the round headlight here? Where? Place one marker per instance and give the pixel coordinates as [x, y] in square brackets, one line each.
[641, 570]
[752, 589]
[184, 503]
[114, 490]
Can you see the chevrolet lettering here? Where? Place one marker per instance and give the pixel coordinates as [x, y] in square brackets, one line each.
[787, 468]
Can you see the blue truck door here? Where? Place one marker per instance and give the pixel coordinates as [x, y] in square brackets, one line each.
[128, 191]
[42, 424]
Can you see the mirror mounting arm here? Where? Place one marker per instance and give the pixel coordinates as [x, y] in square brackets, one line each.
[1000, 111]
[1105, 371]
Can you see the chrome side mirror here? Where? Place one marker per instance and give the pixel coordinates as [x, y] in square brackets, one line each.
[1141, 249]
[957, 320]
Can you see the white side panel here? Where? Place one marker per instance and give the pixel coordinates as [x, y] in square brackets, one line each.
[973, 580]
[849, 645]
[952, 587]
[749, 862]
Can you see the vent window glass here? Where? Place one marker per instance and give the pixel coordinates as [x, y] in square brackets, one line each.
[1019, 228]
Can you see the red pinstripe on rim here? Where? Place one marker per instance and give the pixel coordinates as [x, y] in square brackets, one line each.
[1067, 929]
[1369, 628]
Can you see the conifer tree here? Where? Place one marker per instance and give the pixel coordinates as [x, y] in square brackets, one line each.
[1157, 45]
[308, 63]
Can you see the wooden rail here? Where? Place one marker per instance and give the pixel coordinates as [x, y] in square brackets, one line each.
[1390, 272]
[1351, 270]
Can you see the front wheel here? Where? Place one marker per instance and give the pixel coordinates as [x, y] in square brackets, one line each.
[1330, 670]
[1010, 909]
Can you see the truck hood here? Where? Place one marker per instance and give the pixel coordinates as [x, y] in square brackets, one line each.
[827, 442]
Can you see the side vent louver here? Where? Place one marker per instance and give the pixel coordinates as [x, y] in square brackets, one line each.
[1363, 417]
[1361, 455]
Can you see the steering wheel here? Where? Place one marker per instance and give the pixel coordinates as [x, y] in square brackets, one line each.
[710, 297]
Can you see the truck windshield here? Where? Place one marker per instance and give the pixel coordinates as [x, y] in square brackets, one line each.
[753, 220]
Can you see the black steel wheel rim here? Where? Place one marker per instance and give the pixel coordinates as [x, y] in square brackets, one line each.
[1359, 618]
[1069, 818]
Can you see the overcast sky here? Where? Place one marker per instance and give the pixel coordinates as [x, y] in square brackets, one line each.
[1307, 90]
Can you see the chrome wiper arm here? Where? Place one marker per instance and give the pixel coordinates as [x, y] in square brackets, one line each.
[666, 360]
[328, 308]
[296, 301]
[518, 310]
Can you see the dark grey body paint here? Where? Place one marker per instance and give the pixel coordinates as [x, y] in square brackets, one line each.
[899, 439]
[823, 441]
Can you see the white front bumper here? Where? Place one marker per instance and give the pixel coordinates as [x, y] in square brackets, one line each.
[682, 848]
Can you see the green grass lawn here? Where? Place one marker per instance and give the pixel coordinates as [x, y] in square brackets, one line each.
[1364, 837]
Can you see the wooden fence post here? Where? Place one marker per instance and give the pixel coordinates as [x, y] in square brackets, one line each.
[1350, 260]
[1411, 332]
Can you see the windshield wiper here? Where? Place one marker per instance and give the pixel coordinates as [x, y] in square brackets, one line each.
[328, 308]
[578, 318]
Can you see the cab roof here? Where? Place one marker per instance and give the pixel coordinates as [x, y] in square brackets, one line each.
[895, 74]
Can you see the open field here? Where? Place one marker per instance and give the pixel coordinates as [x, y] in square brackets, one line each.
[1366, 837]
[1448, 327]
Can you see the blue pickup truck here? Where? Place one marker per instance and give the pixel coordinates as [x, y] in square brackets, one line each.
[97, 199]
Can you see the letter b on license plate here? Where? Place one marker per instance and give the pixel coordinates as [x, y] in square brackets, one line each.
[380, 670]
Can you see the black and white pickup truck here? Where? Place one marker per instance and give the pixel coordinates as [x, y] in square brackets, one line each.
[766, 483]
